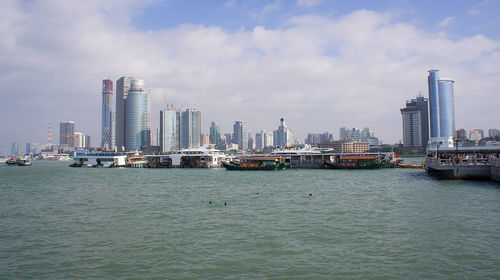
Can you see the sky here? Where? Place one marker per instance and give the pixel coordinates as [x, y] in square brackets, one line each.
[320, 64]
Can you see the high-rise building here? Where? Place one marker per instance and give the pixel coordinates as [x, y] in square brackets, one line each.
[108, 116]
[441, 106]
[318, 138]
[79, 140]
[137, 117]
[240, 135]
[215, 134]
[264, 139]
[169, 130]
[493, 132]
[204, 139]
[284, 136]
[476, 134]
[416, 122]
[462, 134]
[122, 89]
[87, 141]
[14, 149]
[67, 134]
[190, 128]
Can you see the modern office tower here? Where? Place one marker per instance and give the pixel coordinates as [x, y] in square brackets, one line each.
[251, 141]
[441, 106]
[240, 135]
[87, 141]
[107, 124]
[214, 134]
[122, 89]
[350, 133]
[169, 130]
[67, 134]
[228, 138]
[28, 148]
[318, 138]
[416, 122]
[446, 108]
[14, 149]
[190, 128]
[284, 136]
[433, 102]
[137, 120]
[79, 140]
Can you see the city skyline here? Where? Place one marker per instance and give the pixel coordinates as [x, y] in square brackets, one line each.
[321, 65]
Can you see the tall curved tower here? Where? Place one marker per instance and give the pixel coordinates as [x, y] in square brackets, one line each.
[433, 103]
[446, 108]
[137, 130]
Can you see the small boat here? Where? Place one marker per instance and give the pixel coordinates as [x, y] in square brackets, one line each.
[258, 163]
[355, 162]
[11, 161]
[136, 161]
[19, 161]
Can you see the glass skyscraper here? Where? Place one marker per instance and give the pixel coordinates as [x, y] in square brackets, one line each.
[67, 134]
[214, 134]
[169, 130]
[416, 122]
[107, 124]
[137, 119]
[190, 128]
[240, 135]
[122, 89]
[441, 106]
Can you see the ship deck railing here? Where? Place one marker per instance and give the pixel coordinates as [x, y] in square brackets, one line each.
[461, 162]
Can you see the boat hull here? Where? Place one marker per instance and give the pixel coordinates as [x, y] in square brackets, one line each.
[237, 167]
[333, 165]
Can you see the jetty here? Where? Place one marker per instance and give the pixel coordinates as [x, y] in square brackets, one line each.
[475, 163]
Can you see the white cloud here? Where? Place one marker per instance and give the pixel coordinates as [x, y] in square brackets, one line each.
[320, 73]
[446, 21]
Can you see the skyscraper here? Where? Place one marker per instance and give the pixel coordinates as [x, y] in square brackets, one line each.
[137, 120]
[433, 102]
[214, 134]
[169, 130]
[416, 122]
[441, 106]
[190, 128]
[240, 135]
[67, 134]
[122, 89]
[107, 124]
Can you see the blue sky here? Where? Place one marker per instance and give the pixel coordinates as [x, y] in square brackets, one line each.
[320, 64]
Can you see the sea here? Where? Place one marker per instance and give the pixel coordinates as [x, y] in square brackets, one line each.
[58, 222]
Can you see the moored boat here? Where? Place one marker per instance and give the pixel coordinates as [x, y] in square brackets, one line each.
[355, 162]
[257, 163]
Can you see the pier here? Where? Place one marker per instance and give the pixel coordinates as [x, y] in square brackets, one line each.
[475, 163]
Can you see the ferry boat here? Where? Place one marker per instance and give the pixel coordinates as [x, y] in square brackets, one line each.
[203, 157]
[136, 161]
[355, 162]
[99, 160]
[258, 163]
[19, 161]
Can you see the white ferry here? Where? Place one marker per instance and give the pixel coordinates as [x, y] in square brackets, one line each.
[100, 160]
[203, 157]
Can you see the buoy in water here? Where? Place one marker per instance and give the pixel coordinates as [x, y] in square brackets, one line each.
[211, 194]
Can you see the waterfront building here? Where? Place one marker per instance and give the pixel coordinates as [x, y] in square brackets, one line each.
[350, 146]
[190, 128]
[79, 140]
[316, 139]
[122, 89]
[215, 134]
[251, 142]
[476, 134]
[137, 119]
[493, 132]
[228, 138]
[264, 139]
[441, 109]
[240, 135]
[169, 130]
[67, 134]
[284, 136]
[462, 134]
[108, 116]
[87, 141]
[416, 122]
[356, 134]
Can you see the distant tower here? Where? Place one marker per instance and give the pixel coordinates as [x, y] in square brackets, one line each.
[441, 106]
[433, 102]
[214, 134]
[416, 122]
[67, 134]
[107, 115]
[190, 128]
[137, 120]
[240, 135]
[169, 130]
[49, 135]
[122, 89]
